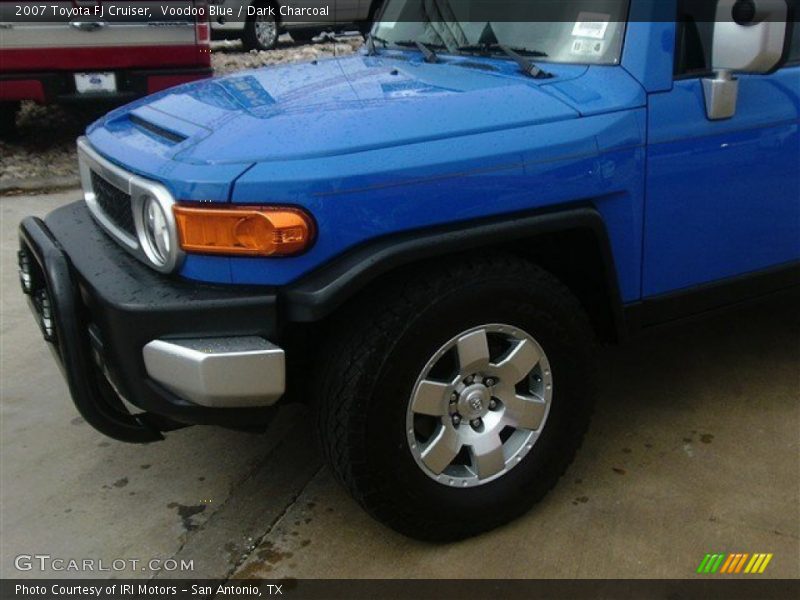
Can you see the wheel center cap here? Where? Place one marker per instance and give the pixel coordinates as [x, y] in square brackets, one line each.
[474, 401]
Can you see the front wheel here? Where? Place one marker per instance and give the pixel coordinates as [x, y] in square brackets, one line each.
[457, 401]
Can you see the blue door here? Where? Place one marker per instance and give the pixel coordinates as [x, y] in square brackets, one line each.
[723, 197]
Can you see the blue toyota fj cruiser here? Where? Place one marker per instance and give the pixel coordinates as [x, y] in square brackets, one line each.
[425, 240]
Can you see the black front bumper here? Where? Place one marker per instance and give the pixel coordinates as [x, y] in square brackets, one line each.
[98, 306]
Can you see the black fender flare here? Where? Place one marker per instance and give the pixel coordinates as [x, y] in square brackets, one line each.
[319, 293]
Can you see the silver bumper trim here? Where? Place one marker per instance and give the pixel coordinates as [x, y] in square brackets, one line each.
[219, 372]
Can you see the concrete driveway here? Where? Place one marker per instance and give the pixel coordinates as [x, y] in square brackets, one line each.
[694, 449]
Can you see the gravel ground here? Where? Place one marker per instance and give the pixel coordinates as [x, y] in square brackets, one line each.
[43, 153]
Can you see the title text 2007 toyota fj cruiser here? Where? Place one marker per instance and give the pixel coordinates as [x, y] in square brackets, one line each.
[426, 239]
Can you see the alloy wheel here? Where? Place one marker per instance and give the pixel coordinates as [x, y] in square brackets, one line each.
[266, 30]
[479, 405]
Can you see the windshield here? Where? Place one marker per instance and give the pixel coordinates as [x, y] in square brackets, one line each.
[563, 31]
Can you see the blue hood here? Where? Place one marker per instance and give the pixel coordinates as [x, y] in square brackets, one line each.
[335, 107]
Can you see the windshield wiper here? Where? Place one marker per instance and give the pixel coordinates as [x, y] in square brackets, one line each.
[430, 55]
[486, 49]
[371, 39]
[518, 55]
[526, 65]
[427, 52]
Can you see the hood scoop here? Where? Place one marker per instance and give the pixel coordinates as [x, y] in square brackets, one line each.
[162, 133]
[153, 124]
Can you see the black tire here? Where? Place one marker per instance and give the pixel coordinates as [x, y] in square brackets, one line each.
[303, 36]
[250, 37]
[383, 344]
[8, 118]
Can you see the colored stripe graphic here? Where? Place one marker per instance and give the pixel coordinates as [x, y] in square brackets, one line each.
[732, 558]
[733, 563]
[711, 563]
[718, 564]
[741, 562]
[755, 562]
[703, 563]
[764, 564]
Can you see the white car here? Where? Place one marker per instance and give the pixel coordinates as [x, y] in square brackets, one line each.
[258, 23]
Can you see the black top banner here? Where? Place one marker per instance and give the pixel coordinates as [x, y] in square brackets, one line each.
[171, 12]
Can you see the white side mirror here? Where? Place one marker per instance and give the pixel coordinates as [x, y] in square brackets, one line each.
[749, 37]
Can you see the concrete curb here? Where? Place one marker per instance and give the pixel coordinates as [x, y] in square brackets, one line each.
[40, 184]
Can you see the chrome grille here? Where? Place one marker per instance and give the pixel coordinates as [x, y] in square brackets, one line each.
[115, 203]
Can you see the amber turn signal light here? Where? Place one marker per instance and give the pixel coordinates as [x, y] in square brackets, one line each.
[244, 231]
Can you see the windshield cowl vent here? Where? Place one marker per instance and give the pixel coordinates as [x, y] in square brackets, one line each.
[475, 65]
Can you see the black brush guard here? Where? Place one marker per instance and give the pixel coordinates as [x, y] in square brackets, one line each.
[51, 295]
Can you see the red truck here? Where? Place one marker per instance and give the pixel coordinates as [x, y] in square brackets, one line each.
[90, 50]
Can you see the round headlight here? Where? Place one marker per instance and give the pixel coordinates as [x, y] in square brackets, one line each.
[156, 230]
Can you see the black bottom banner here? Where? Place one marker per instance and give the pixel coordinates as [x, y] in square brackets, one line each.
[413, 589]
